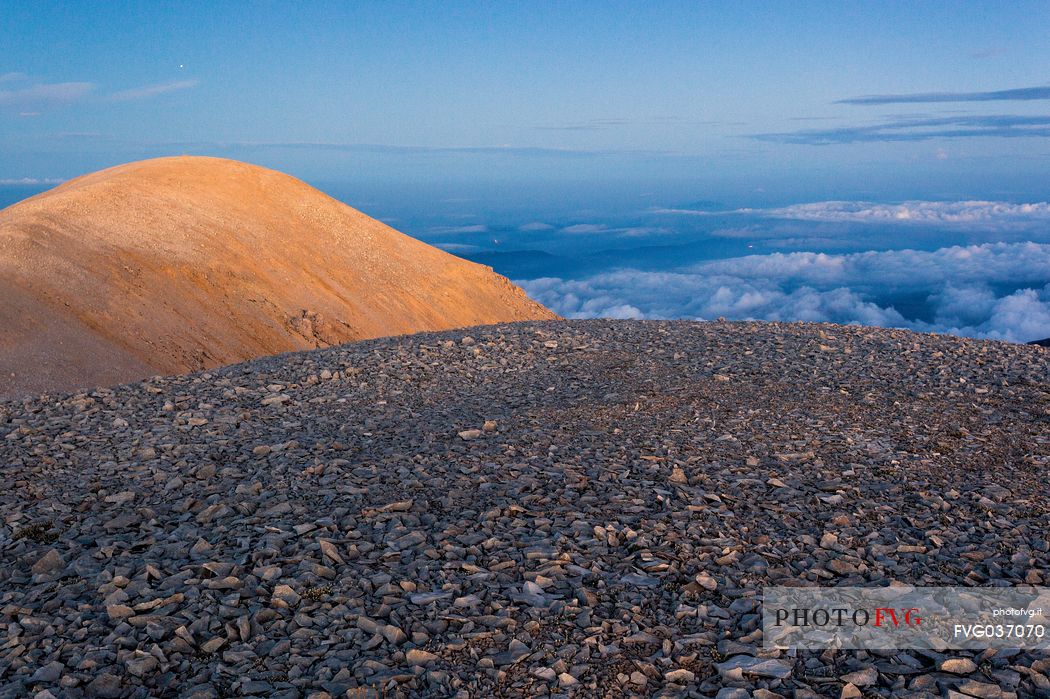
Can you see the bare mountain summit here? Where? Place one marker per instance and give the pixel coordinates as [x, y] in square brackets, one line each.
[177, 264]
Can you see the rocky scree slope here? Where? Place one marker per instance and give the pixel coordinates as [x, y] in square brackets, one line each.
[576, 508]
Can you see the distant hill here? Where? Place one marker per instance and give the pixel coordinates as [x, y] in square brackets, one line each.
[1042, 343]
[176, 264]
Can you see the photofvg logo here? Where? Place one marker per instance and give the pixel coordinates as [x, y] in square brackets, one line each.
[841, 616]
[898, 617]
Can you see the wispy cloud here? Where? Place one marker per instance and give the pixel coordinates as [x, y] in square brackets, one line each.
[1017, 94]
[612, 123]
[28, 181]
[83, 136]
[690, 212]
[535, 226]
[472, 228]
[383, 148]
[983, 213]
[586, 228]
[588, 125]
[521, 151]
[1000, 126]
[45, 94]
[148, 91]
[28, 98]
[980, 54]
[999, 215]
[643, 231]
[456, 248]
[958, 284]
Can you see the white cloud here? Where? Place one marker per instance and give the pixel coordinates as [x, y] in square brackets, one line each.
[897, 269]
[535, 226]
[928, 212]
[957, 284]
[695, 212]
[677, 295]
[474, 228]
[1021, 316]
[29, 97]
[643, 231]
[45, 94]
[15, 181]
[946, 213]
[585, 228]
[457, 247]
[148, 91]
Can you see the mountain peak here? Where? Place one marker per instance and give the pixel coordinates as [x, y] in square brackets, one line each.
[183, 263]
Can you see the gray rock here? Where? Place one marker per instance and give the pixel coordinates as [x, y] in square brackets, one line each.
[285, 595]
[50, 562]
[48, 673]
[393, 634]
[862, 678]
[420, 657]
[733, 693]
[141, 665]
[760, 667]
[957, 666]
[679, 676]
[106, 686]
[423, 598]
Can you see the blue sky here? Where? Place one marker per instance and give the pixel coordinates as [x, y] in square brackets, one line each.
[532, 91]
[614, 138]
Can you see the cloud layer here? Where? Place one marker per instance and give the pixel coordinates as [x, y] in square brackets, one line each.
[29, 181]
[958, 214]
[1021, 94]
[995, 290]
[49, 94]
[148, 91]
[382, 148]
[20, 91]
[924, 129]
[952, 213]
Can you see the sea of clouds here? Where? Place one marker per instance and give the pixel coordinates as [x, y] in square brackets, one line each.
[991, 290]
[997, 215]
